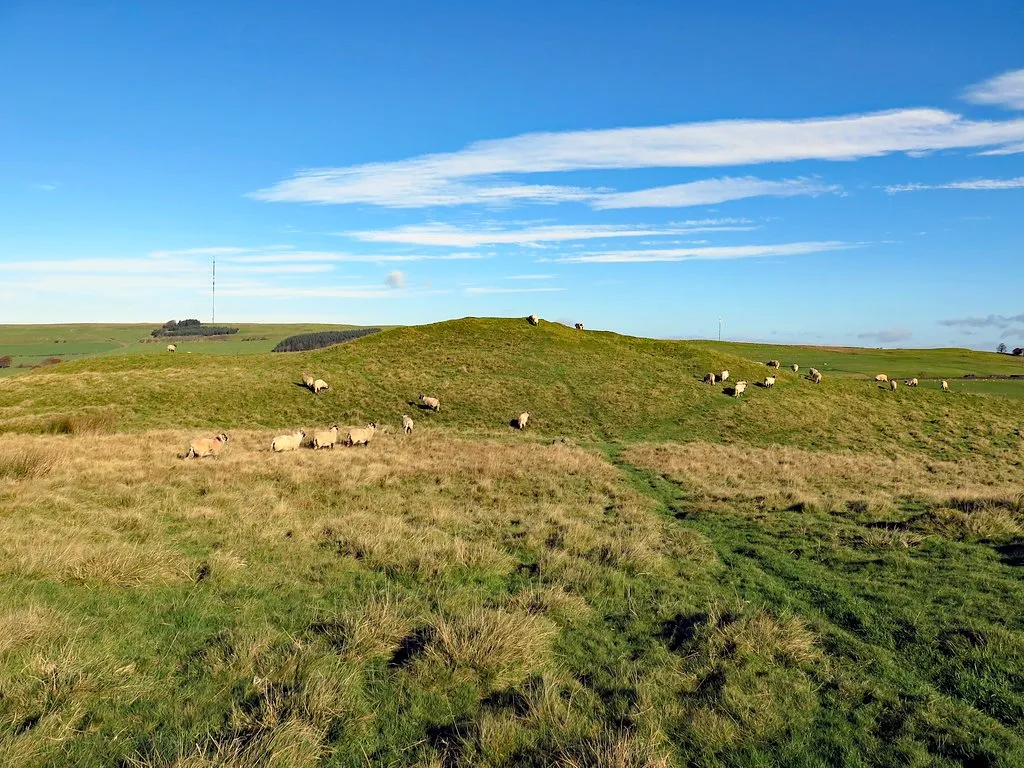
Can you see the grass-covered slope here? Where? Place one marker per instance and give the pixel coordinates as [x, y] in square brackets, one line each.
[588, 385]
[811, 575]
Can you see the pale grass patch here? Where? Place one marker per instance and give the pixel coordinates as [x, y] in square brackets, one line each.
[611, 749]
[502, 647]
[888, 538]
[24, 458]
[782, 477]
[986, 522]
[77, 555]
[20, 626]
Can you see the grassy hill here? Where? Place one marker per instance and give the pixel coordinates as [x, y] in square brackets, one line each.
[654, 573]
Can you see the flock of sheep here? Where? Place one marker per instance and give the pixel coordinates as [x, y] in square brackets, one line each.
[328, 438]
[813, 374]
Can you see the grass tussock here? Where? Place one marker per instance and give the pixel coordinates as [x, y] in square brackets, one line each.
[22, 459]
[502, 648]
[750, 677]
[98, 421]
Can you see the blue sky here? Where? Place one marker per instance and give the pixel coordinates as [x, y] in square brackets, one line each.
[852, 175]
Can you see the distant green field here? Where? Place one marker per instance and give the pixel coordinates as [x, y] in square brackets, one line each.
[29, 345]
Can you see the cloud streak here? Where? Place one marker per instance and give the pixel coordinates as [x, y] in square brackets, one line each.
[535, 236]
[991, 321]
[710, 253]
[486, 290]
[972, 184]
[886, 336]
[711, 192]
[1005, 90]
[479, 173]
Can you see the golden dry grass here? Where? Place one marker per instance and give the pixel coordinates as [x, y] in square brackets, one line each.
[782, 477]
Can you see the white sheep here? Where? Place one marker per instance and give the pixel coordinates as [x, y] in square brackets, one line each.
[911, 382]
[320, 386]
[892, 385]
[172, 347]
[431, 402]
[795, 367]
[206, 446]
[579, 326]
[406, 424]
[326, 438]
[811, 372]
[289, 442]
[816, 377]
[724, 376]
[739, 388]
[773, 364]
[709, 378]
[533, 320]
[945, 386]
[769, 382]
[523, 418]
[307, 381]
[361, 435]
[881, 377]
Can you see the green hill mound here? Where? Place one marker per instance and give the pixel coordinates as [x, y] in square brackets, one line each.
[591, 385]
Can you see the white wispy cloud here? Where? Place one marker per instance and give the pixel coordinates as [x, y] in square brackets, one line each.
[102, 265]
[711, 253]
[478, 173]
[257, 290]
[458, 237]
[975, 184]
[712, 191]
[1009, 149]
[1005, 90]
[341, 257]
[395, 279]
[484, 290]
[886, 335]
[47, 186]
[216, 251]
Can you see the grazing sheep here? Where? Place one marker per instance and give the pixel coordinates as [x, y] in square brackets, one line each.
[739, 388]
[289, 442]
[816, 377]
[811, 372]
[769, 382]
[911, 382]
[326, 438]
[431, 402]
[406, 424]
[523, 418]
[533, 320]
[881, 377]
[892, 385]
[320, 386]
[307, 381]
[361, 435]
[172, 347]
[945, 386]
[579, 326]
[773, 364]
[795, 367]
[709, 378]
[724, 376]
[206, 446]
